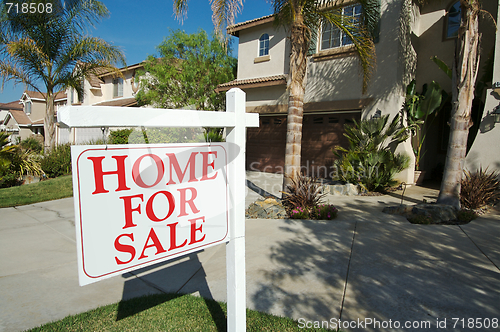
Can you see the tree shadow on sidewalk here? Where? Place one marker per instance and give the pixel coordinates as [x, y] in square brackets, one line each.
[394, 270]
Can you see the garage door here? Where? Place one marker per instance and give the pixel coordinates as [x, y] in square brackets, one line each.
[321, 132]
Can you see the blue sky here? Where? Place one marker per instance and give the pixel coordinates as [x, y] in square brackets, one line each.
[139, 26]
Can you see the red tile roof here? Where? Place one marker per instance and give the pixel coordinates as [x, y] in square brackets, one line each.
[235, 29]
[253, 82]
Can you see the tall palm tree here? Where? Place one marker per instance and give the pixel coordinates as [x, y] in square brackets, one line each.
[45, 50]
[464, 74]
[303, 18]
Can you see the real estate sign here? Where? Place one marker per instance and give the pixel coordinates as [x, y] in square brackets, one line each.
[136, 205]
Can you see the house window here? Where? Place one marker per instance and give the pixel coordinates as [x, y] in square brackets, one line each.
[118, 87]
[27, 107]
[264, 45]
[331, 36]
[453, 20]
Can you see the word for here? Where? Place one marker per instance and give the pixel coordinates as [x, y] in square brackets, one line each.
[29, 7]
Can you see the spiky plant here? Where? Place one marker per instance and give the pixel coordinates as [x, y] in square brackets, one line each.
[303, 192]
[369, 159]
[479, 188]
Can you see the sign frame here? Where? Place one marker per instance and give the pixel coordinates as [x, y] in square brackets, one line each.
[235, 120]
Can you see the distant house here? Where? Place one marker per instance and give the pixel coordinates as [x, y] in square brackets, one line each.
[408, 36]
[25, 118]
[103, 89]
[6, 122]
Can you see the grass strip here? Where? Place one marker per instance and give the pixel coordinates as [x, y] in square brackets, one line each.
[46, 190]
[167, 312]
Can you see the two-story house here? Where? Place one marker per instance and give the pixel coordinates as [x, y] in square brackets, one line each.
[408, 36]
[25, 118]
[104, 89]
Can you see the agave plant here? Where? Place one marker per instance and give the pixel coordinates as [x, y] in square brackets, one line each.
[369, 159]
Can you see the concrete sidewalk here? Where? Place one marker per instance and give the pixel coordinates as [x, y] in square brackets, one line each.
[364, 265]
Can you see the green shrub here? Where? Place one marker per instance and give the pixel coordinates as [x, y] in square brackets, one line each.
[465, 216]
[479, 189]
[299, 213]
[15, 162]
[213, 134]
[57, 161]
[32, 144]
[319, 212]
[324, 212]
[120, 136]
[95, 141]
[369, 159]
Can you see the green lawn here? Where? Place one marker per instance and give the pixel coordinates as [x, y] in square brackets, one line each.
[47, 190]
[167, 312]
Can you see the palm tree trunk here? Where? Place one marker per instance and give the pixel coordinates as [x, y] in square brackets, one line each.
[465, 68]
[296, 87]
[49, 125]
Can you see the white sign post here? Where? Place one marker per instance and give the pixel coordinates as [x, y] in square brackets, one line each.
[137, 205]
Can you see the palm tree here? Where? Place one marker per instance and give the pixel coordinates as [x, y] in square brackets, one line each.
[303, 18]
[464, 74]
[45, 50]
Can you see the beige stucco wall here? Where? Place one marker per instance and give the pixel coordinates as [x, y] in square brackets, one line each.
[105, 92]
[485, 151]
[248, 52]
[107, 87]
[430, 31]
[37, 110]
[271, 95]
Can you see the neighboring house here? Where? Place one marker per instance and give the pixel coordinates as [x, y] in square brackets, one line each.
[25, 118]
[104, 89]
[7, 121]
[409, 35]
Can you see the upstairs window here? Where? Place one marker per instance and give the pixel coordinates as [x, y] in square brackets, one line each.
[27, 107]
[118, 87]
[264, 45]
[332, 37]
[453, 20]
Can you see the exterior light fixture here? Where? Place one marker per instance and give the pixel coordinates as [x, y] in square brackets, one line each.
[496, 87]
[377, 115]
[496, 113]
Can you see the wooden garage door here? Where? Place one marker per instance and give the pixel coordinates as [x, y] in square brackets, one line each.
[320, 134]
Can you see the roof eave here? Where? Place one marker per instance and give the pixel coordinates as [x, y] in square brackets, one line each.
[234, 30]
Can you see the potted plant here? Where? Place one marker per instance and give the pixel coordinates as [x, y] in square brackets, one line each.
[418, 107]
